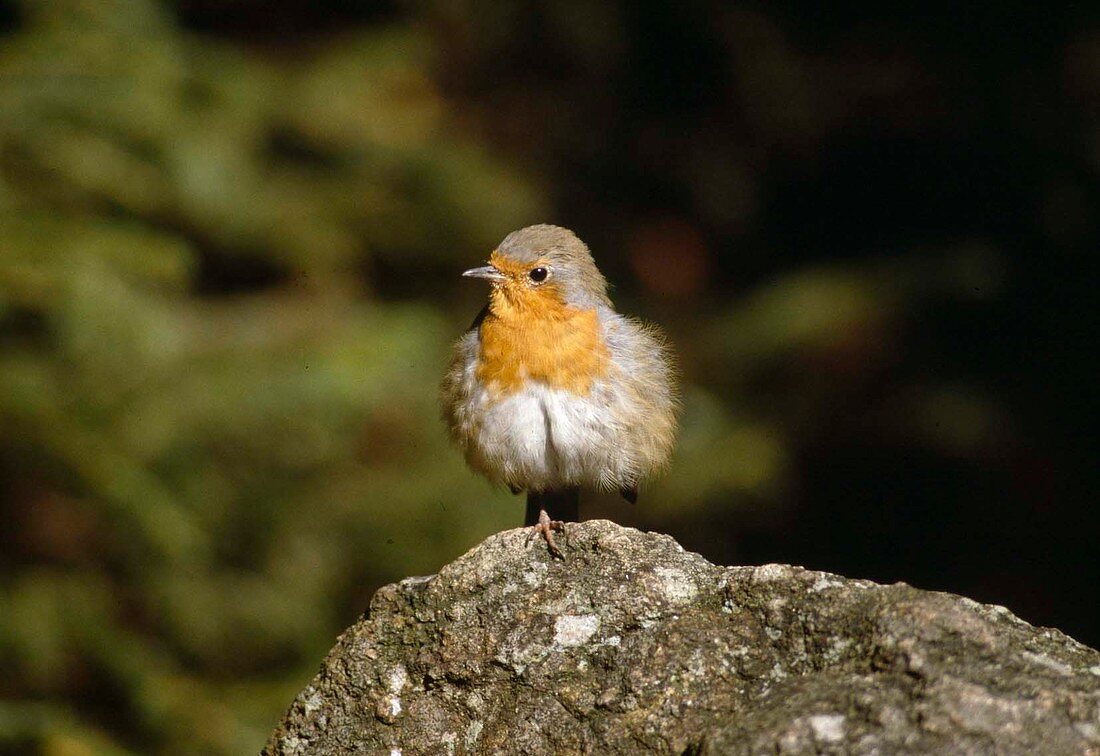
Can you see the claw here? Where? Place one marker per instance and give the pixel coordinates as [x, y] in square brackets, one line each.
[546, 527]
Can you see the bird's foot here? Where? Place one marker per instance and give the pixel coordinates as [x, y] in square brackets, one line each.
[546, 527]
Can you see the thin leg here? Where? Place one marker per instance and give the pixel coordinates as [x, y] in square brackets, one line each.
[561, 504]
[541, 508]
[534, 506]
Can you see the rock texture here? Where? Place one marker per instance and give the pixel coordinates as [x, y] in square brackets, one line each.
[634, 645]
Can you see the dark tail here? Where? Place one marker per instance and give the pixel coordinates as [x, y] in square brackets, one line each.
[564, 504]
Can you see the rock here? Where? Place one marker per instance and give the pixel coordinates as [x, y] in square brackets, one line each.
[633, 644]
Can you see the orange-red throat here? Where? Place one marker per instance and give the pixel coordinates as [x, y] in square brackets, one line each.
[531, 334]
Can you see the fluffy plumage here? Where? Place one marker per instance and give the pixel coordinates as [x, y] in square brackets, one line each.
[551, 389]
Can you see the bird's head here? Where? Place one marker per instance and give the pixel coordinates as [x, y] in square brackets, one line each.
[542, 267]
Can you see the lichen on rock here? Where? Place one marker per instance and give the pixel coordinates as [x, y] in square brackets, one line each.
[633, 644]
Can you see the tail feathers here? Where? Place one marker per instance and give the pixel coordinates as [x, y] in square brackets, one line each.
[564, 504]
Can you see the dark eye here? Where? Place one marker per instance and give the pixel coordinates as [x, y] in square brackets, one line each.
[538, 275]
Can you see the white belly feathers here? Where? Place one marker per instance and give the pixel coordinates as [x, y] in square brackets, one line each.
[542, 438]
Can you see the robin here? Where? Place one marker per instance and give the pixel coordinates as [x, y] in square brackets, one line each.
[550, 389]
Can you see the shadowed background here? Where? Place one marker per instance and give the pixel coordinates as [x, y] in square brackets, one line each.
[230, 241]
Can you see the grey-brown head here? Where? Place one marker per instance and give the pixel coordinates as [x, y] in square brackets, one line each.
[544, 261]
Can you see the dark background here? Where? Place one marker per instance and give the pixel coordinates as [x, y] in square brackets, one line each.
[230, 240]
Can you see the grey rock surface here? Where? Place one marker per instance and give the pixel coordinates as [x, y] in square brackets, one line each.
[635, 645]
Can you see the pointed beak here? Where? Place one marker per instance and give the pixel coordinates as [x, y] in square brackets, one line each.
[487, 272]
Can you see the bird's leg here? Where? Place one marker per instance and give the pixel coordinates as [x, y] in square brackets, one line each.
[546, 527]
[539, 506]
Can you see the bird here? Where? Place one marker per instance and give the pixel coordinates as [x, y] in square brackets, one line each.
[551, 390]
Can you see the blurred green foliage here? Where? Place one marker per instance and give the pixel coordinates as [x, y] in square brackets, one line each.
[228, 260]
[203, 471]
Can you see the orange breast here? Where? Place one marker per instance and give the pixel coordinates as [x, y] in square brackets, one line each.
[545, 340]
